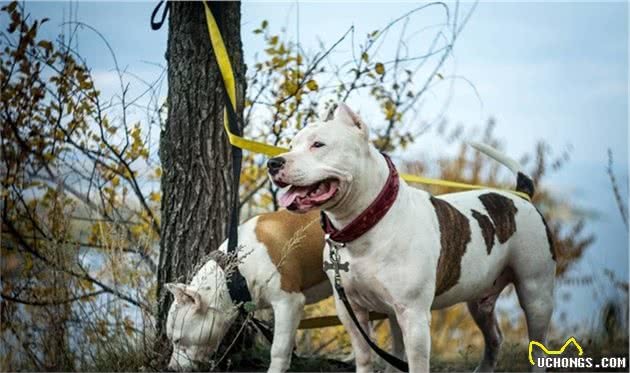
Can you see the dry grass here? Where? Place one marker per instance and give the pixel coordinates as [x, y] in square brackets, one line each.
[513, 358]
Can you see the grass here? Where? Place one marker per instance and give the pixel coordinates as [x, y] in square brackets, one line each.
[513, 358]
[121, 355]
[257, 359]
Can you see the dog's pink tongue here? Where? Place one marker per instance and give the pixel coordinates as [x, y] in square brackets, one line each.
[324, 191]
[287, 198]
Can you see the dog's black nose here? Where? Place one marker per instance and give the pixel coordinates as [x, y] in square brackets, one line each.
[275, 164]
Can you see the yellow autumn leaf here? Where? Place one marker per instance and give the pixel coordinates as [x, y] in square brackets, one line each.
[379, 68]
[86, 285]
[265, 200]
[128, 326]
[45, 44]
[155, 197]
[291, 87]
[390, 110]
[28, 264]
[312, 85]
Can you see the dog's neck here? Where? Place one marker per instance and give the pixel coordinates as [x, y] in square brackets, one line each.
[367, 183]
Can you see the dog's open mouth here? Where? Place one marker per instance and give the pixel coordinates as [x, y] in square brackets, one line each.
[302, 198]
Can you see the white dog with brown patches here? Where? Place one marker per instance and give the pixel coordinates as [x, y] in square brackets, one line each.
[281, 260]
[415, 252]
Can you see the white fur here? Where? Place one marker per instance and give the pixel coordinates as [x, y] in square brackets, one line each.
[393, 265]
[498, 156]
[197, 329]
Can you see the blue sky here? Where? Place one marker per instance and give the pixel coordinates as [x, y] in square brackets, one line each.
[556, 71]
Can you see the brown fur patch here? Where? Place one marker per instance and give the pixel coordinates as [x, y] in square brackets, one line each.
[487, 229]
[295, 243]
[454, 237]
[501, 210]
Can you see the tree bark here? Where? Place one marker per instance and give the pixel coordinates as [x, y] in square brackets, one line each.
[197, 180]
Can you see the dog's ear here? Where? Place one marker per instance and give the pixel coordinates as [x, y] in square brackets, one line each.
[184, 294]
[344, 114]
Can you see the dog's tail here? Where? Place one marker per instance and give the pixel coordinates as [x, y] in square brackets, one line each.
[524, 183]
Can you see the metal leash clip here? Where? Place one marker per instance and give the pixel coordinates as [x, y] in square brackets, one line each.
[334, 263]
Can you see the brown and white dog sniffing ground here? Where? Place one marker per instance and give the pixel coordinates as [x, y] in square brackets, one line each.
[280, 256]
[425, 252]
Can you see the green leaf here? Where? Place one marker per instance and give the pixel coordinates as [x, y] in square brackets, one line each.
[249, 306]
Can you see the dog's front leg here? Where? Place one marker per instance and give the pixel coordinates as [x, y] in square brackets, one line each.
[362, 351]
[415, 322]
[287, 315]
[398, 346]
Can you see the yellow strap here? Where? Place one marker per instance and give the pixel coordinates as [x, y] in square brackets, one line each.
[326, 321]
[415, 179]
[225, 67]
[223, 60]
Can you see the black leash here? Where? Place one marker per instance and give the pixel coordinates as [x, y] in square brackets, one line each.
[341, 293]
[237, 285]
[156, 25]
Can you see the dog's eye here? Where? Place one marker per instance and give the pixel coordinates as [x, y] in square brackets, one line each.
[318, 144]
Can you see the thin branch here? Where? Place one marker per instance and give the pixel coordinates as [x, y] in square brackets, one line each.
[623, 211]
[52, 302]
[22, 242]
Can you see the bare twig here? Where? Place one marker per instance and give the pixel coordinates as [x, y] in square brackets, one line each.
[623, 211]
[55, 302]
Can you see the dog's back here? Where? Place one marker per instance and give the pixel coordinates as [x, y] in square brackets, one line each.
[494, 238]
[294, 243]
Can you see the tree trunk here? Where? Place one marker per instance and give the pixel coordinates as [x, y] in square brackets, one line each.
[197, 181]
